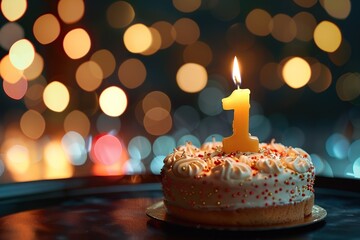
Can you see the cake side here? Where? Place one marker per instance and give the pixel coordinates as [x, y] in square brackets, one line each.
[208, 179]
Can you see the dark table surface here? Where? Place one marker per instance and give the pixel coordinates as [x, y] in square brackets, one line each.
[114, 208]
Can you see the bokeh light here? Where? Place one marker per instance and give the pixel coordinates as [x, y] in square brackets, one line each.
[56, 96]
[337, 146]
[89, 76]
[321, 77]
[191, 77]
[327, 36]
[348, 86]
[120, 14]
[198, 52]
[137, 38]
[106, 60]
[337, 9]
[186, 6]
[296, 72]
[22, 54]
[258, 22]
[56, 161]
[71, 11]
[13, 9]
[10, 33]
[187, 31]
[16, 90]
[107, 149]
[283, 28]
[132, 73]
[17, 159]
[157, 121]
[156, 99]
[8, 72]
[32, 124]
[77, 121]
[46, 28]
[77, 43]
[305, 3]
[35, 69]
[139, 147]
[209, 101]
[305, 25]
[113, 101]
[163, 145]
[74, 146]
[167, 33]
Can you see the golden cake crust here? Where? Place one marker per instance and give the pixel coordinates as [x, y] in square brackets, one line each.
[259, 216]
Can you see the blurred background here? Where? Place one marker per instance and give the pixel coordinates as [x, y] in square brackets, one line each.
[111, 87]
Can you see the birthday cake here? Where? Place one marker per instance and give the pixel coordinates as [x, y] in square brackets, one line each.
[208, 186]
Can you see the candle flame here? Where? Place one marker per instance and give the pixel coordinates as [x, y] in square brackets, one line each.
[236, 73]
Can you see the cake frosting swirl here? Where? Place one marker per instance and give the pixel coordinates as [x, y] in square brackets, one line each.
[206, 178]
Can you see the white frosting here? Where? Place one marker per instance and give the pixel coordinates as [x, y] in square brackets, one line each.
[207, 178]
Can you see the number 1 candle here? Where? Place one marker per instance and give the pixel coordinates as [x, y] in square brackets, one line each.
[239, 101]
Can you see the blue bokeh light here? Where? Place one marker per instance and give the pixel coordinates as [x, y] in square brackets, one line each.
[163, 145]
[139, 147]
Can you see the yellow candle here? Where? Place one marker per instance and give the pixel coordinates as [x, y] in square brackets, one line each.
[239, 101]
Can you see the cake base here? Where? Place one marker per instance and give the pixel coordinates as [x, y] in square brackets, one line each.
[271, 215]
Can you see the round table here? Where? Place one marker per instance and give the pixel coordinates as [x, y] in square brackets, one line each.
[114, 208]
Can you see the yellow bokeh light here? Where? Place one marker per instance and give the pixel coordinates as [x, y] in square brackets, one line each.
[191, 77]
[77, 43]
[155, 43]
[258, 22]
[57, 163]
[32, 124]
[132, 73]
[35, 69]
[337, 9]
[77, 121]
[106, 60]
[113, 101]
[120, 14]
[137, 38]
[71, 11]
[17, 159]
[56, 96]
[187, 31]
[186, 6]
[327, 36]
[13, 9]
[22, 54]
[89, 76]
[46, 28]
[296, 72]
[8, 72]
